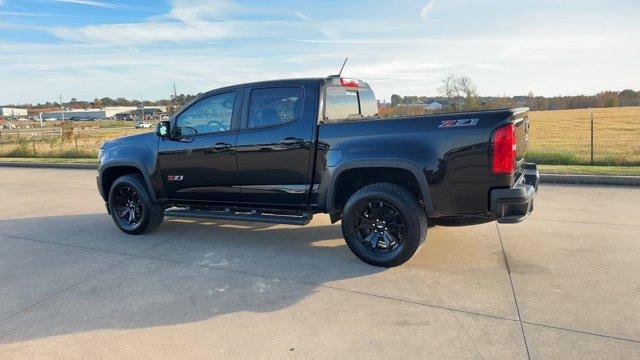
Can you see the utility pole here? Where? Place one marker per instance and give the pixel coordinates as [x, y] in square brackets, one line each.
[175, 98]
[175, 94]
[141, 109]
[61, 108]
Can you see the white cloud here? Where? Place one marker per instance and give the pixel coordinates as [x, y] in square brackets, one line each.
[175, 31]
[427, 9]
[141, 33]
[92, 3]
[301, 16]
[187, 21]
[204, 45]
[23, 13]
[197, 10]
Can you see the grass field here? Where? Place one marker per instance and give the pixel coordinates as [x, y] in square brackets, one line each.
[563, 136]
[76, 140]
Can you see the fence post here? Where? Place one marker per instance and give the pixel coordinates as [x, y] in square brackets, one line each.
[591, 138]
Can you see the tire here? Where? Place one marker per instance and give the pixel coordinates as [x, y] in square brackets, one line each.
[148, 214]
[357, 221]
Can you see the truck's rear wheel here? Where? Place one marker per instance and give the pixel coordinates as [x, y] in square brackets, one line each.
[384, 224]
[131, 206]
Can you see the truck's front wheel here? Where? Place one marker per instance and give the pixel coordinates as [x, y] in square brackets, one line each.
[384, 224]
[131, 206]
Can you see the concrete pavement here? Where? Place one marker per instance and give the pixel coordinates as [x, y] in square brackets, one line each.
[563, 284]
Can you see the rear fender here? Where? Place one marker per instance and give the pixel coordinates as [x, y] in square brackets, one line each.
[377, 163]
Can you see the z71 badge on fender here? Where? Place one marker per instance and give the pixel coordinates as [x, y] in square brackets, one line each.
[459, 122]
[175, 178]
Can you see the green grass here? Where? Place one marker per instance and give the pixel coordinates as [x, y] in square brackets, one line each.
[50, 160]
[566, 157]
[589, 170]
[552, 157]
[72, 153]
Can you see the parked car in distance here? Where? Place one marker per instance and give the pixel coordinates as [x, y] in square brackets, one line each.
[143, 125]
[282, 151]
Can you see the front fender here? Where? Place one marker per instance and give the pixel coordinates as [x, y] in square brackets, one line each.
[135, 156]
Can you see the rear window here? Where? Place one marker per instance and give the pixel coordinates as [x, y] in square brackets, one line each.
[344, 103]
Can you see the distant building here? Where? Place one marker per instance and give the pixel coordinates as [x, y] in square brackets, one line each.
[434, 105]
[149, 112]
[12, 112]
[108, 112]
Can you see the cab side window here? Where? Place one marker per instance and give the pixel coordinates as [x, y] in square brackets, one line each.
[274, 106]
[209, 115]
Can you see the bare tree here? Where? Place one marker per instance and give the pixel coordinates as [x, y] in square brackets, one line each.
[470, 91]
[458, 87]
[449, 88]
[467, 87]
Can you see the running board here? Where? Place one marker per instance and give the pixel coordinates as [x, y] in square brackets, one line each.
[301, 218]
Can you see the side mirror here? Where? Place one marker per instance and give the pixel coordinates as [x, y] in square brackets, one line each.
[162, 129]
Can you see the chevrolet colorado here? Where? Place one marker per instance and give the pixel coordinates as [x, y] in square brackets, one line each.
[281, 151]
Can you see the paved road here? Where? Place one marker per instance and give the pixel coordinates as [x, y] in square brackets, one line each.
[564, 284]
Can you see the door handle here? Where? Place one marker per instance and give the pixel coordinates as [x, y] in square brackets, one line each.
[221, 146]
[291, 141]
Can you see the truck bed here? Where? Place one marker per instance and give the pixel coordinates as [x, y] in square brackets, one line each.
[454, 159]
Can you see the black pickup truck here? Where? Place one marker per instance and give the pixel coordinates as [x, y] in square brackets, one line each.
[281, 151]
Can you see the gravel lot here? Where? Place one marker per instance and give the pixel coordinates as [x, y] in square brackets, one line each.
[563, 284]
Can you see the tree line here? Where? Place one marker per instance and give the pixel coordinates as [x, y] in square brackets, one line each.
[173, 103]
[459, 92]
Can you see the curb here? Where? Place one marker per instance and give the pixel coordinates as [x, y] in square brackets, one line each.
[590, 179]
[544, 178]
[49, 165]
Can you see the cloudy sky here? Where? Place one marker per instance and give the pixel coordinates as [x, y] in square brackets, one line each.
[117, 48]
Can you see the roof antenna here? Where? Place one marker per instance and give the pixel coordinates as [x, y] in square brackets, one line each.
[343, 64]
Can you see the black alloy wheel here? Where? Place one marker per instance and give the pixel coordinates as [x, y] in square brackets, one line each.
[131, 206]
[384, 224]
[128, 206]
[380, 227]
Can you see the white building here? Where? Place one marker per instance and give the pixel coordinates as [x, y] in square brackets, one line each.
[434, 105]
[107, 112]
[12, 112]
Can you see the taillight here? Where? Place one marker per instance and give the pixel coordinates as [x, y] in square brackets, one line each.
[349, 82]
[503, 153]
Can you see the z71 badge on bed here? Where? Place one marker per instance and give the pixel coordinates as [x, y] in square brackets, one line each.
[458, 122]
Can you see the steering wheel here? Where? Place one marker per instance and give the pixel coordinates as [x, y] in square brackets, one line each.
[217, 124]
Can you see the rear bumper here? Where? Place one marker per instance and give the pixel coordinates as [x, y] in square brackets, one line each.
[515, 204]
